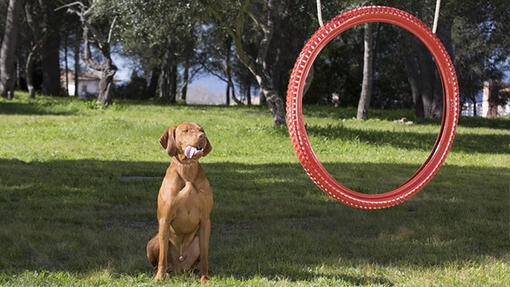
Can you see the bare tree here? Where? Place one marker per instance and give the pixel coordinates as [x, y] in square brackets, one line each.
[8, 49]
[102, 41]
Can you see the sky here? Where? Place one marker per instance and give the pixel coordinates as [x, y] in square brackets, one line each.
[205, 89]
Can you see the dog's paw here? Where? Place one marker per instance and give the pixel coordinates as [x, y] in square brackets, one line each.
[160, 276]
[204, 279]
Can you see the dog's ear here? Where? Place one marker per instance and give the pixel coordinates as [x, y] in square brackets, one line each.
[167, 141]
[208, 147]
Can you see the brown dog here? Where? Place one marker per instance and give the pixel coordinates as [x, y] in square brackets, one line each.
[185, 202]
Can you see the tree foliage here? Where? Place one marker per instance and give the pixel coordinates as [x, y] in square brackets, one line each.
[252, 45]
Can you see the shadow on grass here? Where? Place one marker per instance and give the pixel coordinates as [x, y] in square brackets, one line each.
[470, 143]
[479, 122]
[35, 108]
[396, 114]
[350, 113]
[269, 219]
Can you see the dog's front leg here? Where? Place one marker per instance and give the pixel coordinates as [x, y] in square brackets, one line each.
[203, 237]
[163, 234]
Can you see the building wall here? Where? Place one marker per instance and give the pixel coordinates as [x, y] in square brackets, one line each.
[88, 87]
[84, 88]
[468, 109]
[71, 89]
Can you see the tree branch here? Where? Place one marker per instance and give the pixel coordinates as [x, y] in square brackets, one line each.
[267, 30]
[256, 20]
[190, 78]
[86, 55]
[34, 27]
[110, 32]
[237, 35]
[82, 12]
[220, 19]
[211, 71]
[240, 18]
[71, 5]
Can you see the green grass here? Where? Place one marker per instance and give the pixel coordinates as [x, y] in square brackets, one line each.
[68, 217]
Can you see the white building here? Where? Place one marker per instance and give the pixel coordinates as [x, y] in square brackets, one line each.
[88, 83]
[482, 108]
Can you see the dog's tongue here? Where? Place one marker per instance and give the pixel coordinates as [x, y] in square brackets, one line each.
[190, 151]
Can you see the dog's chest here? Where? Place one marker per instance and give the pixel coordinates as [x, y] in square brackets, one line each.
[187, 210]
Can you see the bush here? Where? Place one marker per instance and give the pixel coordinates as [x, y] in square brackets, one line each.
[135, 89]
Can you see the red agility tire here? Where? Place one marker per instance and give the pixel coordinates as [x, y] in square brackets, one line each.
[297, 130]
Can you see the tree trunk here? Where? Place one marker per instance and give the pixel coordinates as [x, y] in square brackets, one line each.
[497, 96]
[472, 97]
[368, 73]
[228, 71]
[184, 89]
[228, 46]
[153, 85]
[8, 49]
[423, 77]
[276, 106]
[248, 94]
[493, 110]
[105, 83]
[107, 68]
[168, 78]
[227, 95]
[431, 86]
[426, 66]
[234, 97]
[164, 81]
[65, 64]
[50, 50]
[77, 44]
[29, 74]
[437, 96]
[36, 35]
[412, 71]
[163, 84]
[18, 71]
[173, 81]
[262, 98]
[51, 63]
[273, 100]
[415, 92]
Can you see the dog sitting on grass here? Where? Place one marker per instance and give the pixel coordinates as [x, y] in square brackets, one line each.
[185, 202]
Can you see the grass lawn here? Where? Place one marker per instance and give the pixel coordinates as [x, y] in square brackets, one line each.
[69, 215]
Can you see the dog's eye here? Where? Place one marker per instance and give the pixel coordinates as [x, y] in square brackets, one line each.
[185, 131]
